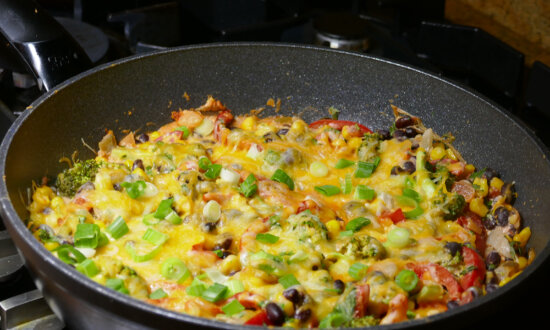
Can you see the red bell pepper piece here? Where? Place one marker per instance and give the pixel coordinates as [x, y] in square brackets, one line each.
[395, 216]
[259, 319]
[224, 118]
[473, 223]
[440, 275]
[339, 124]
[476, 273]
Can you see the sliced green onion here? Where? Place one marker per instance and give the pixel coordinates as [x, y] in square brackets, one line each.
[365, 170]
[88, 268]
[288, 280]
[343, 163]
[219, 253]
[318, 169]
[154, 237]
[158, 294]
[214, 293]
[118, 228]
[267, 238]
[346, 184]
[164, 208]
[429, 187]
[116, 284]
[174, 269]
[346, 233]
[204, 163]
[213, 171]
[86, 235]
[272, 157]
[357, 223]
[399, 237]
[408, 201]
[234, 307]
[185, 131]
[409, 183]
[364, 192]
[412, 194]
[328, 190]
[130, 247]
[282, 177]
[102, 240]
[150, 219]
[196, 288]
[357, 271]
[173, 218]
[249, 187]
[134, 189]
[234, 287]
[68, 254]
[212, 211]
[406, 280]
[334, 113]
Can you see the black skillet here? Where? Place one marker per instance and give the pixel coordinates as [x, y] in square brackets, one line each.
[131, 92]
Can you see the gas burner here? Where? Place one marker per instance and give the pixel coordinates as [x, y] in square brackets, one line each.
[342, 30]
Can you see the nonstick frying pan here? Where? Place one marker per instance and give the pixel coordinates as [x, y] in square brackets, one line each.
[131, 92]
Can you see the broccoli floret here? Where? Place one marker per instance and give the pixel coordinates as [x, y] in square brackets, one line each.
[369, 147]
[71, 179]
[309, 227]
[364, 246]
[366, 321]
[453, 206]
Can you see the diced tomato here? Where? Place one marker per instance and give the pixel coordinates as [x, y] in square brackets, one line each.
[224, 118]
[170, 137]
[472, 222]
[440, 275]
[395, 216]
[476, 275]
[248, 299]
[308, 204]
[361, 300]
[259, 319]
[464, 188]
[339, 124]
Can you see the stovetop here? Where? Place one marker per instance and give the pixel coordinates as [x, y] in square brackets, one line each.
[417, 35]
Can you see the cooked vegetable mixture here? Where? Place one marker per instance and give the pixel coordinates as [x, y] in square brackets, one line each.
[273, 221]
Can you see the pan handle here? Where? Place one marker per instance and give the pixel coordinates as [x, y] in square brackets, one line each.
[41, 43]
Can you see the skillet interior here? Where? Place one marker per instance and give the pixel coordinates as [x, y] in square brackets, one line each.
[244, 76]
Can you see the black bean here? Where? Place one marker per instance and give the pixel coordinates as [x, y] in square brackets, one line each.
[453, 247]
[489, 174]
[399, 135]
[396, 170]
[509, 192]
[339, 285]
[384, 134]
[489, 222]
[275, 314]
[293, 295]
[302, 315]
[414, 146]
[411, 132]
[452, 304]
[225, 254]
[493, 260]
[269, 137]
[224, 245]
[476, 292]
[409, 167]
[142, 138]
[117, 187]
[404, 121]
[209, 226]
[138, 163]
[491, 287]
[315, 267]
[502, 215]
[282, 131]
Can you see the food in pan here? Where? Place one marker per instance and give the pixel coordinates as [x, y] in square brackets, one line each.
[251, 220]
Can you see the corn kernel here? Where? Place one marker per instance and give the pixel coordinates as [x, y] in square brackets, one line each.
[469, 168]
[345, 132]
[339, 142]
[333, 227]
[478, 207]
[249, 123]
[523, 236]
[153, 136]
[140, 172]
[481, 187]
[299, 126]
[437, 153]
[354, 142]
[230, 264]
[451, 154]
[51, 245]
[286, 305]
[56, 203]
[522, 262]
[497, 183]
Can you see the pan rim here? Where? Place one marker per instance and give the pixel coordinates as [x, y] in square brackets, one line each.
[9, 213]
